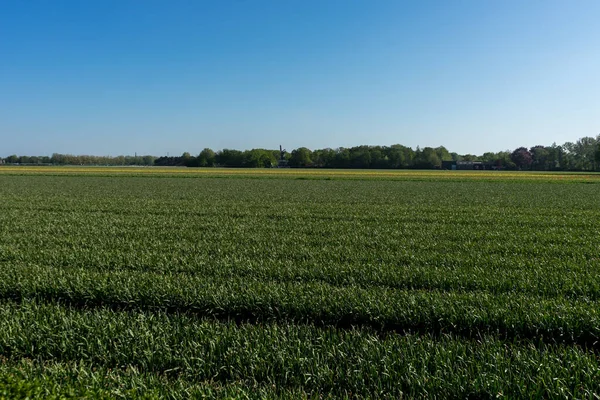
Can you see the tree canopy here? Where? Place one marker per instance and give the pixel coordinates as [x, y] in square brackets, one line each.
[582, 155]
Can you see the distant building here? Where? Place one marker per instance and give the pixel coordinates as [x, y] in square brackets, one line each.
[470, 165]
[466, 165]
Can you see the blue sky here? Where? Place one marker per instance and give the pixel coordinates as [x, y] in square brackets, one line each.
[109, 77]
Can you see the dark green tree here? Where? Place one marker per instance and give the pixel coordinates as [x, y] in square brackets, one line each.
[427, 158]
[443, 153]
[301, 157]
[230, 158]
[259, 158]
[206, 158]
[540, 158]
[397, 156]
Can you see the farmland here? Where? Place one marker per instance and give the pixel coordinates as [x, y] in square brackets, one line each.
[149, 282]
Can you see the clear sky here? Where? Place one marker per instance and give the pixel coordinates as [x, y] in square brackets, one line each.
[109, 77]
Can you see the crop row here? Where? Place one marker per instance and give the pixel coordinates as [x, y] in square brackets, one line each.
[572, 280]
[292, 357]
[469, 314]
[27, 379]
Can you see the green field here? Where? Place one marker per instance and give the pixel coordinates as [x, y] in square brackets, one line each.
[182, 283]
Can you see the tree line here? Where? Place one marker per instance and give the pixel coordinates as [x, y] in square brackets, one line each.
[69, 159]
[582, 155]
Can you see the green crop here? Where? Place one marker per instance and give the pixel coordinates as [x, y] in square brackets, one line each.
[376, 286]
[285, 357]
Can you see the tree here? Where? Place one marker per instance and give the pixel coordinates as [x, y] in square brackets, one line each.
[427, 159]
[555, 155]
[378, 158]
[489, 157]
[229, 158]
[342, 158]
[399, 156]
[469, 157]
[597, 156]
[360, 157]
[148, 160]
[503, 160]
[540, 158]
[206, 158]
[188, 160]
[521, 157]
[119, 160]
[582, 153]
[301, 157]
[168, 161]
[323, 158]
[259, 158]
[396, 156]
[443, 153]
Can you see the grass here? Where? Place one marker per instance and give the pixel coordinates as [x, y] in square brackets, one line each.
[138, 283]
